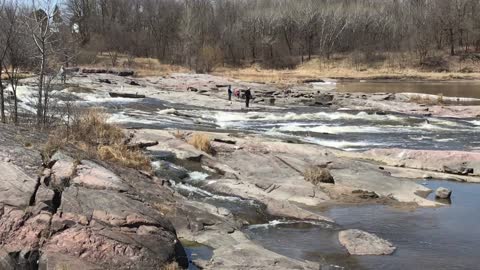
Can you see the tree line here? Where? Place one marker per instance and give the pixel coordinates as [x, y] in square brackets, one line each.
[276, 33]
[41, 35]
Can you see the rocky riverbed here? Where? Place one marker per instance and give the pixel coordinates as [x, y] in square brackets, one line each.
[378, 150]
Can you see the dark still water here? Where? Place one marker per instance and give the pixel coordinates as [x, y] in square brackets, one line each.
[470, 89]
[435, 238]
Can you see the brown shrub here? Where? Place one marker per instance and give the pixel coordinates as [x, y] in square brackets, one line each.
[181, 135]
[201, 142]
[91, 132]
[121, 154]
[317, 174]
[93, 128]
[171, 266]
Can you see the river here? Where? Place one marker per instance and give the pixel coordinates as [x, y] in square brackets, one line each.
[438, 238]
[469, 89]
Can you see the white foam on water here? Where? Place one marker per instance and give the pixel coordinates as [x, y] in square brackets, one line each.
[334, 129]
[445, 122]
[191, 189]
[196, 190]
[275, 223]
[475, 122]
[122, 118]
[25, 95]
[167, 111]
[234, 118]
[207, 168]
[444, 140]
[344, 145]
[419, 138]
[429, 126]
[197, 176]
[332, 116]
[103, 97]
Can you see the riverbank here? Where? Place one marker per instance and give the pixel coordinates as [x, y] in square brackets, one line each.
[341, 74]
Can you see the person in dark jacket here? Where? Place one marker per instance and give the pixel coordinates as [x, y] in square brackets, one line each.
[248, 97]
[230, 93]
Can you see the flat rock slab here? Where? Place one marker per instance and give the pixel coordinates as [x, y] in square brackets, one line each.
[94, 176]
[16, 187]
[453, 162]
[358, 242]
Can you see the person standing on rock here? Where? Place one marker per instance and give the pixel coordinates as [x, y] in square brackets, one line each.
[63, 75]
[248, 97]
[230, 93]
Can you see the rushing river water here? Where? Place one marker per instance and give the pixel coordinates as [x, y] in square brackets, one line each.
[344, 129]
[438, 238]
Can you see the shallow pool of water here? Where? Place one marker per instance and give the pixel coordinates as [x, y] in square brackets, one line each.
[196, 251]
[469, 89]
[438, 238]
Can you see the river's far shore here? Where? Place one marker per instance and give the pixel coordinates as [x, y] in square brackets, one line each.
[315, 70]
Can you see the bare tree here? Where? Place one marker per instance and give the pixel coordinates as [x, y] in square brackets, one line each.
[15, 54]
[6, 33]
[41, 27]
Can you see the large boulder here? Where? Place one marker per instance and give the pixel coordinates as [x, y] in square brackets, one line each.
[169, 170]
[16, 187]
[92, 224]
[358, 242]
[91, 175]
[62, 170]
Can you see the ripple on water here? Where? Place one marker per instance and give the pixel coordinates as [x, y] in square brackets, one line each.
[427, 238]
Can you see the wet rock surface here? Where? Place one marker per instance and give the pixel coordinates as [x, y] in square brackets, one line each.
[443, 193]
[358, 242]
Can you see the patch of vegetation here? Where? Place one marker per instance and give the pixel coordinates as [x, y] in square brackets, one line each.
[132, 158]
[171, 266]
[202, 142]
[91, 132]
[422, 99]
[317, 175]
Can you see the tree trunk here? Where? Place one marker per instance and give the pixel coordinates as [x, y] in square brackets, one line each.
[2, 97]
[452, 42]
[2, 100]
[15, 102]
[288, 42]
[40, 90]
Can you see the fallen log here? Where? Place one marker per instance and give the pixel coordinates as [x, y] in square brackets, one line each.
[224, 141]
[142, 145]
[314, 81]
[122, 73]
[125, 95]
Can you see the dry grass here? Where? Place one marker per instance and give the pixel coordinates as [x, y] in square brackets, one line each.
[92, 128]
[91, 132]
[399, 66]
[201, 142]
[181, 135]
[171, 266]
[424, 99]
[316, 175]
[121, 154]
[144, 67]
